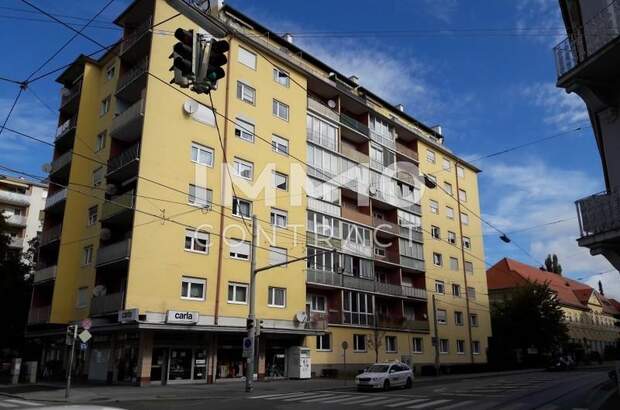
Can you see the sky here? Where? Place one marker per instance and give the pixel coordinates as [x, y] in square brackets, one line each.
[482, 69]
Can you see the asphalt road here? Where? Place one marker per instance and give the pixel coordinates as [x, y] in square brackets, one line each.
[545, 391]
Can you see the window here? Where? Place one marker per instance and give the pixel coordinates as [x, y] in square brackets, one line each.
[320, 260]
[471, 292]
[244, 130]
[475, 347]
[197, 241]
[109, 72]
[200, 196]
[277, 297]
[357, 308]
[82, 298]
[280, 181]
[454, 263]
[318, 303]
[445, 164]
[469, 267]
[202, 155]
[451, 237]
[322, 133]
[437, 259]
[449, 212]
[243, 169]
[87, 255]
[239, 249]
[281, 77]
[241, 207]
[247, 58]
[246, 93]
[434, 206]
[280, 110]
[92, 215]
[473, 319]
[442, 316]
[193, 288]
[460, 346]
[100, 143]
[456, 290]
[238, 293]
[462, 195]
[464, 218]
[447, 187]
[359, 343]
[104, 107]
[466, 242]
[279, 145]
[418, 346]
[458, 318]
[440, 286]
[444, 346]
[435, 232]
[430, 156]
[390, 344]
[279, 218]
[277, 255]
[97, 176]
[460, 171]
[324, 342]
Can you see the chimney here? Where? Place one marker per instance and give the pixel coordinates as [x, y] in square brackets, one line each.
[289, 38]
[355, 79]
[400, 107]
[437, 129]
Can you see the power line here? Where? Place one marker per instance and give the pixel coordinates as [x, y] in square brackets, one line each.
[28, 11]
[8, 115]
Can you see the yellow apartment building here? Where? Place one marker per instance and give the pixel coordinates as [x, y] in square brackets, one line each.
[152, 190]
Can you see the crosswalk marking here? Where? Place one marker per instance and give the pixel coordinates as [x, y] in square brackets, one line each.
[374, 401]
[428, 404]
[355, 400]
[456, 405]
[270, 395]
[386, 400]
[23, 402]
[299, 397]
[338, 400]
[404, 403]
[285, 395]
[321, 398]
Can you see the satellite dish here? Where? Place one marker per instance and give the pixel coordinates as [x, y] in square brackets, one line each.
[111, 189]
[105, 234]
[100, 290]
[301, 316]
[190, 107]
[47, 168]
[331, 104]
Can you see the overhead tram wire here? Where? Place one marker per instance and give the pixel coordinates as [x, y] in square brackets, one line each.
[8, 115]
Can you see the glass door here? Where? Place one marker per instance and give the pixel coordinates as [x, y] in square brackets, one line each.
[180, 365]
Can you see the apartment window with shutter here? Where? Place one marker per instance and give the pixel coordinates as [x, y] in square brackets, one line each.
[247, 58]
[440, 286]
[197, 241]
[277, 297]
[239, 249]
[193, 288]
[442, 316]
[237, 293]
[434, 206]
[437, 259]
[430, 156]
[471, 292]
[244, 130]
[447, 187]
[202, 155]
[469, 267]
[460, 171]
[241, 207]
[97, 176]
[445, 165]
[277, 255]
[246, 93]
[279, 218]
[281, 77]
[450, 212]
[280, 110]
[200, 196]
[280, 181]
[464, 218]
[92, 215]
[462, 195]
[279, 144]
[243, 169]
[418, 346]
[454, 264]
[444, 346]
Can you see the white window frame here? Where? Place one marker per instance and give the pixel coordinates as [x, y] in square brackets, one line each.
[456, 290]
[474, 320]
[475, 347]
[437, 259]
[457, 314]
[440, 286]
[446, 165]
[246, 93]
[454, 263]
[394, 341]
[444, 313]
[104, 106]
[110, 72]
[320, 346]
[430, 156]
[471, 292]
[236, 208]
[244, 56]
[277, 175]
[197, 199]
[448, 188]
[356, 348]
[417, 344]
[81, 297]
[434, 206]
[452, 237]
[464, 218]
[277, 105]
[272, 297]
[462, 195]
[444, 349]
[193, 281]
[466, 242]
[449, 212]
[313, 302]
[199, 149]
[240, 165]
[245, 130]
[435, 232]
[235, 254]
[87, 255]
[101, 140]
[277, 142]
[460, 346]
[279, 78]
[460, 171]
[236, 285]
[467, 265]
[196, 236]
[276, 214]
[97, 176]
[92, 217]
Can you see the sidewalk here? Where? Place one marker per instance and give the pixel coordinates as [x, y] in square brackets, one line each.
[95, 393]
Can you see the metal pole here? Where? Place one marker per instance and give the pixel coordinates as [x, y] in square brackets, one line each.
[68, 386]
[249, 377]
[436, 331]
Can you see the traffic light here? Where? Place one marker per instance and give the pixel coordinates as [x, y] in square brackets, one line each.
[249, 323]
[211, 62]
[259, 327]
[184, 58]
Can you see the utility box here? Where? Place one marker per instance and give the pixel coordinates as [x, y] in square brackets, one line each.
[16, 367]
[298, 362]
[30, 372]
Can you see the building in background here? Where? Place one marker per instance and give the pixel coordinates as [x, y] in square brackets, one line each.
[590, 316]
[144, 235]
[21, 203]
[587, 64]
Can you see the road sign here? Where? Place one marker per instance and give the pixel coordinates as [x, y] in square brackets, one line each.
[247, 347]
[85, 336]
[345, 345]
[83, 346]
[86, 324]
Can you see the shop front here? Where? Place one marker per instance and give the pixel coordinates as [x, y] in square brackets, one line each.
[179, 361]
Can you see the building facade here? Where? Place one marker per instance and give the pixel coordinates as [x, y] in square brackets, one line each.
[590, 316]
[21, 203]
[587, 64]
[154, 187]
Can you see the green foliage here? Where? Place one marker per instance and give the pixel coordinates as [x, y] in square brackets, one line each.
[552, 264]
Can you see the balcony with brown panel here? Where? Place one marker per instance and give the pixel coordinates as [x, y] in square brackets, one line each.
[351, 211]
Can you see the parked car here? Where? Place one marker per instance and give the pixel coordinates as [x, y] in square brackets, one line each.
[562, 363]
[385, 376]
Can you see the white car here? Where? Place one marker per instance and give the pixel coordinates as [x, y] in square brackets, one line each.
[384, 376]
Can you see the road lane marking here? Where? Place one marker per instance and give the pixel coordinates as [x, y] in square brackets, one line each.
[299, 397]
[374, 401]
[404, 403]
[285, 396]
[355, 400]
[456, 405]
[23, 402]
[273, 395]
[338, 400]
[429, 404]
[321, 398]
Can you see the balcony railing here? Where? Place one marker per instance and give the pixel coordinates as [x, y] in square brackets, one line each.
[56, 198]
[412, 263]
[61, 161]
[65, 127]
[403, 323]
[321, 277]
[354, 124]
[131, 75]
[106, 304]
[114, 253]
[45, 274]
[50, 235]
[126, 157]
[116, 205]
[68, 94]
[414, 234]
[382, 139]
[16, 220]
[322, 109]
[405, 150]
[587, 40]
[125, 119]
[136, 35]
[14, 198]
[384, 225]
[39, 314]
[318, 139]
[323, 207]
[599, 213]
[317, 321]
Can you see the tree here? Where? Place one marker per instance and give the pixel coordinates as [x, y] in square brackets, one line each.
[552, 265]
[530, 318]
[375, 341]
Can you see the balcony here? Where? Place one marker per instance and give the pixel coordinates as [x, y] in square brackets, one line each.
[354, 124]
[45, 274]
[125, 165]
[357, 248]
[324, 110]
[65, 133]
[333, 279]
[384, 140]
[354, 154]
[412, 263]
[60, 167]
[136, 44]
[16, 242]
[600, 31]
[111, 303]
[413, 234]
[116, 252]
[599, 223]
[133, 81]
[50, 235]
[16, 220]
[313, 239]
[56, 200]
[118, 209]
[406, 151]
[14, 198]
[323, 207]
[403, 323]
[127, 125]
[69, 97]
[317, 321]
[39, 314]
[336, 317]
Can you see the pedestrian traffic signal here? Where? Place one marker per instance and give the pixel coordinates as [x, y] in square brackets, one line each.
[184, 58]
[249, 323]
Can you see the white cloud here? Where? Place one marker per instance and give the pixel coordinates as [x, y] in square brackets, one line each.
[542, 15]
[610, 281]
[443, 10]
[30, 118]
[560, 109]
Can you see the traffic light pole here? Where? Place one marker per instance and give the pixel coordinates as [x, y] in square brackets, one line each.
[436, 331]
[73, 337]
